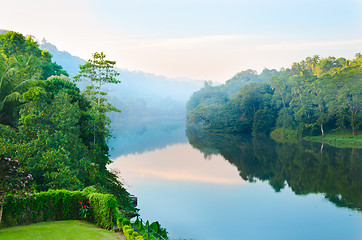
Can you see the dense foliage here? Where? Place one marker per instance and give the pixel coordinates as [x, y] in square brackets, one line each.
[56, 205]
[21, 64]
[49, 126]
[139, 230]
[312, 97]
[13, 180]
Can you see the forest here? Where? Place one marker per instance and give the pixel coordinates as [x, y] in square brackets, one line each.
[312, 97]
[53, 131]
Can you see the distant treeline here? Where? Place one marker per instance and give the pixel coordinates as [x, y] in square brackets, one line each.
[312, 97]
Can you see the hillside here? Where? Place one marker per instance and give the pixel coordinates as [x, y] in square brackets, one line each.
[69, 62]
[140, 95]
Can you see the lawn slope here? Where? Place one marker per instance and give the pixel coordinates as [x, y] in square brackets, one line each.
[70, 230]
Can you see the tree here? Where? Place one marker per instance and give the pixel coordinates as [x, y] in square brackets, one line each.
[264, 121]
[17, 74]
[279, 85]
[22, 64]
[99, 72]
[350, 97]
[51, 143]
[13, 44]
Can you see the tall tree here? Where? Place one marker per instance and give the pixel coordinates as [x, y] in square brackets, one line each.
[99, 71]
[279, 85]
[349, 94]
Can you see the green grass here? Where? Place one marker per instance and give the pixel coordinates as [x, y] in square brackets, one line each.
[69, 230]
[341, 139]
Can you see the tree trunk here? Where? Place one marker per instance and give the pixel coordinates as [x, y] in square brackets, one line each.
[1, 213]
[282, 98]
[322, 129]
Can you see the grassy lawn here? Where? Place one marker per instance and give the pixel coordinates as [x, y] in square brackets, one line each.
[77, 230]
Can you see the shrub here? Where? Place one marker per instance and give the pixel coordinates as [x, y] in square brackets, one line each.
[45, 206]
[126, 221]
[134, 235]
[119, 222]
[56, 205]
[104, 209]
[127, 231]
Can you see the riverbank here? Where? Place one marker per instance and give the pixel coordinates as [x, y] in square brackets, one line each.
[338, 139]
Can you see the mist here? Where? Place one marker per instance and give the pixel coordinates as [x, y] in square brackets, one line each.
[142, 97]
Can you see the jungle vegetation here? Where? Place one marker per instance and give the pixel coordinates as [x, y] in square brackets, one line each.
[56, 133]
[312, 97]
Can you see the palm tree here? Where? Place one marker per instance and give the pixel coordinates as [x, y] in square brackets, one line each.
[17, 74]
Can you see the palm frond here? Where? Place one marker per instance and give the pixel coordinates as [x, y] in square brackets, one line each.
[25, 85]
[12, 97]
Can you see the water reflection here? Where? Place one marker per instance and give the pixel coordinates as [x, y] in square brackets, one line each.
[138, 137]
[178, 162]
[306, 167]
[195, 193]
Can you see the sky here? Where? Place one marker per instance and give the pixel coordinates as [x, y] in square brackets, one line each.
[197, 39]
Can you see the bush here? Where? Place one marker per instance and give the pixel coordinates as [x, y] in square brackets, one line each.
[283, 134]
[127, 231]
[45, 206]
[134, 235]
[104, 209]
[119, 222]
[126, 221]
[55, 205]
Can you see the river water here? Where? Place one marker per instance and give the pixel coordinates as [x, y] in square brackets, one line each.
[203, 186]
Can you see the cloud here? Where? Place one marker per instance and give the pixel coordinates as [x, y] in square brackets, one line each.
[213, 45]
[219, 57]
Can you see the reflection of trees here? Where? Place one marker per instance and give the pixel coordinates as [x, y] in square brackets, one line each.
[335, 172]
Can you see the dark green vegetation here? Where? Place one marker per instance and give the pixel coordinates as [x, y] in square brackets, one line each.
[55, 205]
[22, 63]
[70, 230]
[306, 167]
[339, 139]
[58, 134]
[139, 230]
[313, 97]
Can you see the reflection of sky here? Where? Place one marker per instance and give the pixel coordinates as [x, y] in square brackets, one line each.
[141, 137]
[202, 199]
[178, 162]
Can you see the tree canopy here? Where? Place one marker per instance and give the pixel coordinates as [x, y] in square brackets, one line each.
[313, 96]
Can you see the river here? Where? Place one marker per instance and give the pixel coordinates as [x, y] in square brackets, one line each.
[213, 186]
